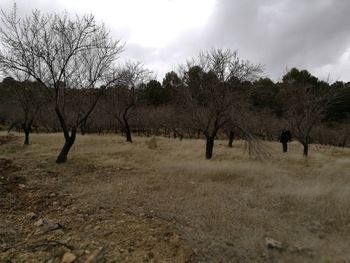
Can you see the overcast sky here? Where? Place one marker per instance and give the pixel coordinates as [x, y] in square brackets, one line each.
[307, 34]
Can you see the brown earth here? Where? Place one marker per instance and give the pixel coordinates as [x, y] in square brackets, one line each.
[119, 202]
[92, 232]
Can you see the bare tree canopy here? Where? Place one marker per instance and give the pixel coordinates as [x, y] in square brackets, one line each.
[307, 107]
[209, 95]
[63, 54]
[120, 99]
[30, 97]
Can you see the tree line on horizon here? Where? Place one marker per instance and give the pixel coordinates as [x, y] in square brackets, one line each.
[62, 76]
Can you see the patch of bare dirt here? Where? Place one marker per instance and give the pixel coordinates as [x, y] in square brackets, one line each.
[9, 183]
[38, 223]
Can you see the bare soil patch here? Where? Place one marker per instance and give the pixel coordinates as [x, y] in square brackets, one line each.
[41, 222]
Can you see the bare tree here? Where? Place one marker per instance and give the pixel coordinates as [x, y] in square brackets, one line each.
[120, 99]
[306, 107]
[30, 97]
[62, 54]
[208, 94]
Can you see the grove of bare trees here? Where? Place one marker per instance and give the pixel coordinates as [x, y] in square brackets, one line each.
[62, 75]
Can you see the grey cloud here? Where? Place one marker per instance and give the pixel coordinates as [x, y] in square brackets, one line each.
[167, 59]
[279, 34]
[311, 34]
[284, 33]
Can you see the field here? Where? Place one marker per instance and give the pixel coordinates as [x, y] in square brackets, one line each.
[159, 200]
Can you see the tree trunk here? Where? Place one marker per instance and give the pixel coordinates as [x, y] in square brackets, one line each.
[230, 138]
[306, 146]
[27, 128]
[127, 131]
[62, 157]
[128, 135]
[209, 147]
[127, 127]
[306, 149]
[285, 147]
[26, 136]
[83, 127]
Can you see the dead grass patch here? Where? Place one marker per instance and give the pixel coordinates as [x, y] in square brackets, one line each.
[224, 208]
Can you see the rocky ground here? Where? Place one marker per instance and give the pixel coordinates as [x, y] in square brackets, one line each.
[38, 223]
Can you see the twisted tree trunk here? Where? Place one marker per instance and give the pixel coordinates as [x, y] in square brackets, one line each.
[69, 141]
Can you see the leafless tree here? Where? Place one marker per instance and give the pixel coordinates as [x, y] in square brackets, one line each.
[120, 99]
[209, 94]
[306, 107]
[30, 97]
[63, 54]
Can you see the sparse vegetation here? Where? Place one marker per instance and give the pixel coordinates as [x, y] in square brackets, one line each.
[154, 197]
[218, 211]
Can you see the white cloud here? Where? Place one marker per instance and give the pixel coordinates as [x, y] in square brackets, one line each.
[151, 23]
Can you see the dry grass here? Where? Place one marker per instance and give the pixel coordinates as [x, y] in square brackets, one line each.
[224, 208]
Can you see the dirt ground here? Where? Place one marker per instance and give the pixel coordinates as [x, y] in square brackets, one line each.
[158, 200]
[93, 232]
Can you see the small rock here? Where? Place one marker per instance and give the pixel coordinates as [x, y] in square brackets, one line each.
[52, 195]
[93, 257]
[273, 244]
[50, 226]
[38, 232]
[31, 215]
[67, 240]
[79, 252]
[40, 222]
[68, 257]
[59, 232]
[21, 186]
